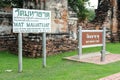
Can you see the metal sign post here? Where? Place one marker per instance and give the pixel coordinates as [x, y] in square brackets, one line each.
[44, 48]
[80, 42]
[104, 45]
[20, 52]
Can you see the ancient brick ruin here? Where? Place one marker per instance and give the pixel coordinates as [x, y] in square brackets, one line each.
[57, 40]
[108, 14]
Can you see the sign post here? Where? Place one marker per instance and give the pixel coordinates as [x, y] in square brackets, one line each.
[31, 21]
[79, 42]
[44, 49]
[20, 52]
[104, 45]
[91, 38]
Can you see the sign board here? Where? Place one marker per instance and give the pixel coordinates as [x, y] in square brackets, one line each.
[92, 38]
[31, 21]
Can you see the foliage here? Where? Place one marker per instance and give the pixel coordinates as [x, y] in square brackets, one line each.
[91, 14]
[78, 6]
[11, 3]
[57, 69]
[4, 3]
[17, 3]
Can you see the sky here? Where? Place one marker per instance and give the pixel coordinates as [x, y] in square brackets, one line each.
[93, 4]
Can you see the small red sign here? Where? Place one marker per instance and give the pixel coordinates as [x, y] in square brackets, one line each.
[91, 38]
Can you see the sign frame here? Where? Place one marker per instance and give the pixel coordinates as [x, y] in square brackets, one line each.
[80, 40]
[19, 27]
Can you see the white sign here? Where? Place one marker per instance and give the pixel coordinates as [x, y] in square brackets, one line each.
[31, 21]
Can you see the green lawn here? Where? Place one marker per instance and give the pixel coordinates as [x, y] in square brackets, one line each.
[57, 69]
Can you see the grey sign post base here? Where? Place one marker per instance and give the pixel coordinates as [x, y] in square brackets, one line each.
[20, 52]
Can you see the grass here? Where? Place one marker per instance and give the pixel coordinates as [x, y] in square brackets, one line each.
[57, 69]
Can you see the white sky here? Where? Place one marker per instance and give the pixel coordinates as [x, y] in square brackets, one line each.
[93, 4]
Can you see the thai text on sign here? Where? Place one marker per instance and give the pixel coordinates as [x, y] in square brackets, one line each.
[92, 38]
[31, 21]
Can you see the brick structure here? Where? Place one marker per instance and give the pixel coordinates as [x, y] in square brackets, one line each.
[32, 43]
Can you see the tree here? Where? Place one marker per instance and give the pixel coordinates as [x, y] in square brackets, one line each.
[17, 3]
[78, 6]
[4, 3]
[11, 3]
[91, 14]
[34, 4]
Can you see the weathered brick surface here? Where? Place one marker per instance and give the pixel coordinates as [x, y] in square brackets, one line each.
[33, 47]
